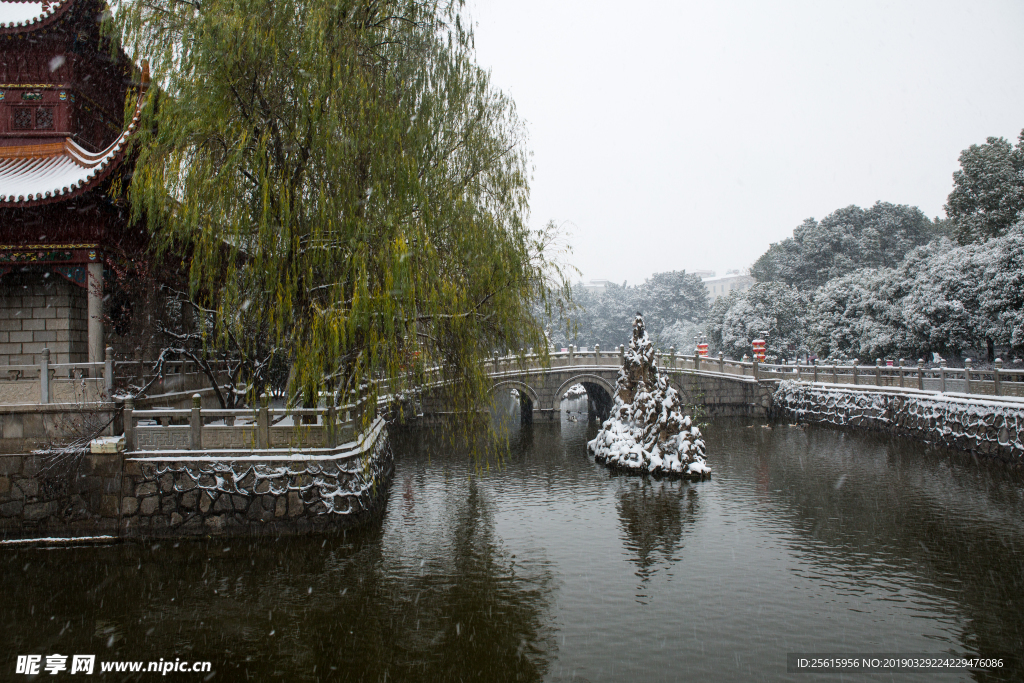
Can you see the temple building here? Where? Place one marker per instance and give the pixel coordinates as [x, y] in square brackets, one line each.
[64, 222]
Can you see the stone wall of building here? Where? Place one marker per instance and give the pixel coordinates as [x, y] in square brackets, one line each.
[42, 310]
[988, 426]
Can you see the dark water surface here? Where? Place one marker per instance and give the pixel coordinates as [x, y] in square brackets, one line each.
[550, 568]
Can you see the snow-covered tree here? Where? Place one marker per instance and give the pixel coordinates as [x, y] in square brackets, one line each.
[1003, 291]
[942, 298]
[672, 303]
[669, 298]
[988, 190]
[773, 307]
[647, 430]
[853, 315]
[844, 241]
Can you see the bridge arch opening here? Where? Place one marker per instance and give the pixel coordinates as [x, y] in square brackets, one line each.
[599, 394]
[523, 393]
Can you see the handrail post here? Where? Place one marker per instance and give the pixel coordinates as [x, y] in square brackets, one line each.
[44, 377]
[753, 367]
[995, 376]
[878, 372]
[902, 381]
[696, 359]
[855, 361]
[129, 424]
[815, 370]
[835, 373]
[967, 375]
[920, 374]
[572, 355]
[196, 423]
[942, 376]
[108, 373]
[672, 357]
[331, 426]
[597, 354]
[721, 362]
[263, 423]
[622, 354]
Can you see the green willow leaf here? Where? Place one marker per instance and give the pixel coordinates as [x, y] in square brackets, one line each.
[348, 189]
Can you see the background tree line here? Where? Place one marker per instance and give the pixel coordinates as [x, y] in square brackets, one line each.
[674, 305]
[889, 282]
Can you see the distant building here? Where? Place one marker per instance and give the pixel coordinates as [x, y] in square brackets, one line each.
[733, 280]
[702, 274]
[597, 286]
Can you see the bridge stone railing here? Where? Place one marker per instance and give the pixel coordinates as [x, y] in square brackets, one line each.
[597, 357]
[995, 381]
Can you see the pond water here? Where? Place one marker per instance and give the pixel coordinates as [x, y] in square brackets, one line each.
[551, 568]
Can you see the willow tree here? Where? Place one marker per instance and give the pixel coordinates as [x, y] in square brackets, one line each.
[349, 189]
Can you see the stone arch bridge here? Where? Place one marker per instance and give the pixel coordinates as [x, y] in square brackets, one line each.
[725, 388]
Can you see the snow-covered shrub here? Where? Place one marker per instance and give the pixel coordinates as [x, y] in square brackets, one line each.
[647, 430]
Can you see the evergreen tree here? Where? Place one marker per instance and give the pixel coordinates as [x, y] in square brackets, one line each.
[844, 241]
[674, 303]
[773, 307]
[988, 190]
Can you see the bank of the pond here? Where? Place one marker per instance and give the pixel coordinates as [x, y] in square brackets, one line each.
[548, 567]
[175, 494]
[990, 426]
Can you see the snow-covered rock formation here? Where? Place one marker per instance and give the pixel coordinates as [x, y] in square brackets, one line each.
[647, 430]
[575, 391]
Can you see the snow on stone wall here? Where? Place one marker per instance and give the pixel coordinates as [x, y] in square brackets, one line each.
[991, 427]
[210, 496]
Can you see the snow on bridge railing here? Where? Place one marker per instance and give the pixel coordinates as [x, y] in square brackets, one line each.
[574, 357]
[46, 382]
[995, 381]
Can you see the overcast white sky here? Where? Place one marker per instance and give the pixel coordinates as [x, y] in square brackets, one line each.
[677, 135]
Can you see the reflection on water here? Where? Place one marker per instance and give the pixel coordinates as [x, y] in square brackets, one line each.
[548, 567]
[652, 514]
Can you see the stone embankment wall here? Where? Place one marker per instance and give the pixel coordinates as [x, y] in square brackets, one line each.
[987, 426]
[724, 395]
[194, 494]
[43, 497]
[258, 495]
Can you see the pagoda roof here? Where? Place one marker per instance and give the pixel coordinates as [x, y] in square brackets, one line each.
[17, 15]
[31, 175]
